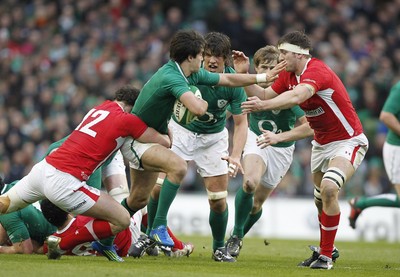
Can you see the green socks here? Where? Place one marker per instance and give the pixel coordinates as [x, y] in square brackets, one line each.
[381, 200]
[218, 223]
[243, 206]
[167, 196]
[125, 204]
[251, 220]
[151, 213]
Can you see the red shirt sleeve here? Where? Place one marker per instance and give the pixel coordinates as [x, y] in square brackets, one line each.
[280, 84]
[317, 75]
[134, 126]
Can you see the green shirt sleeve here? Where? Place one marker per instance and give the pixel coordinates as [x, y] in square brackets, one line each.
[392, 103]
[15, 227]
[204, 77]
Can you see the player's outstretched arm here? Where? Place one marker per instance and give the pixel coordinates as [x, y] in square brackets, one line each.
[285, 100]
[241, 80]
[242, 63]
[302, 131]
[152, 136]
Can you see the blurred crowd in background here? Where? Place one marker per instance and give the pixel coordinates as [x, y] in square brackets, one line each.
[59, 58]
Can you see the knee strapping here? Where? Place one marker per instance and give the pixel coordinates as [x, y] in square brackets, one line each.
[217, 195]
[317, 194]
[119, 193]
[335, 175]
[159, 181]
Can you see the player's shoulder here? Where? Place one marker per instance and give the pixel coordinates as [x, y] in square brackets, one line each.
[107, 105]
[170, 68]
[318, 65]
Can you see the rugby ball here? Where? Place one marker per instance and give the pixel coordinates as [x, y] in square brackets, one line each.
[181, 114]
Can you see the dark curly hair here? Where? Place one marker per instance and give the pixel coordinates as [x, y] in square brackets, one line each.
[298, 38]
[219, 45]
[127, 94]
[52, 213]
[186, 43]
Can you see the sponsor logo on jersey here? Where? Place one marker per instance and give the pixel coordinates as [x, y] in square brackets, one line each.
[221, 103]
[312, 113]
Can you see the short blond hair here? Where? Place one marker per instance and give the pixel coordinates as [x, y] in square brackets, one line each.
[266, 54]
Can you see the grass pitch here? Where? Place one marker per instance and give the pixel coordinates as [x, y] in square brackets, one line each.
[257, 258]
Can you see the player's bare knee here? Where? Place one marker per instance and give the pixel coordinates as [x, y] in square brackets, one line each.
[123, 221]
[177, 170]
[249, 185]
[137, 202]
[180, 172]
[140, 203]
[329, 193]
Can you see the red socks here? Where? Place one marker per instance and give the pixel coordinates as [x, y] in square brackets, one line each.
[328, 228]
[177, 243]
[93, 230]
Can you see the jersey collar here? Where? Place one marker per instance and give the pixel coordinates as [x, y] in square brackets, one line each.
[180, 70]
[304, 69]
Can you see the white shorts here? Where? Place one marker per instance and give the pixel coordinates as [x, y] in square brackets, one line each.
[352, 149]
[117, 166]
[277, 160]
[205, 150]
[133, 150]
[391, 160]
[63, 189]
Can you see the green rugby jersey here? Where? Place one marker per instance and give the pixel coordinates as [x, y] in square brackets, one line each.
[157, 97]
[276, 121]
[219, 99]
[392, 105]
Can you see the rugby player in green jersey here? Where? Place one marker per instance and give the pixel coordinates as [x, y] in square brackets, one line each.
[154, 106]
[390, 116]
[205, 141]
[25, 229]
[267, 155]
